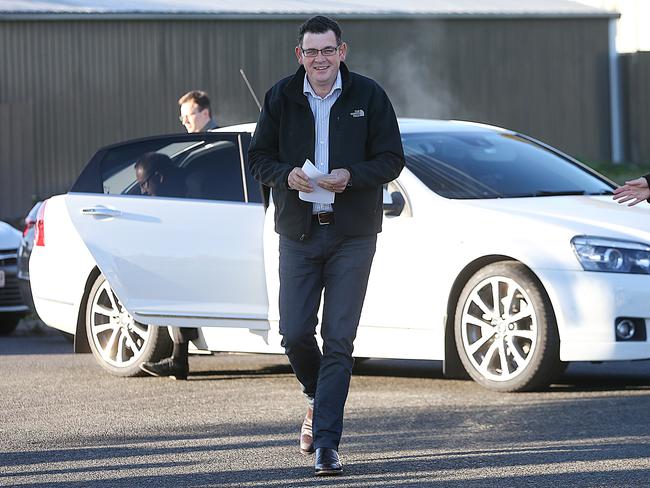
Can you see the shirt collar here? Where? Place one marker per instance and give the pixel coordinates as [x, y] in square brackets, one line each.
[308, 90]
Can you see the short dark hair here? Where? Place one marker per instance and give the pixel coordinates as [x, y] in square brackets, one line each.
[319, 24]
[197, 96]
[153, 162]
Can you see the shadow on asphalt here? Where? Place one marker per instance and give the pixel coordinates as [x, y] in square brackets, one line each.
[383, 367]
[28, 344]
[539, 440]
[512, 446]
[598, 383]
[235, 374]
[579, 377]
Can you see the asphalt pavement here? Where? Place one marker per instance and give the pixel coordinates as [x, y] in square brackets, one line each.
[65, 422]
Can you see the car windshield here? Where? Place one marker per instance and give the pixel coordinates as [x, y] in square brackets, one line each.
[485, 164]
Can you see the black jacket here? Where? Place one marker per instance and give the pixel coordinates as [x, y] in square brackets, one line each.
[364, 138]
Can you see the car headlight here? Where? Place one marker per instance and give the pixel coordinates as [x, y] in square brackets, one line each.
[611, 255]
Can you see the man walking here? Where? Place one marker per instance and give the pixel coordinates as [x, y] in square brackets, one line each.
[346, 125]
[196, 116]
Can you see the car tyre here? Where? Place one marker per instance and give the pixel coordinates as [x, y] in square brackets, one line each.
[67, 336]
[9, 322]
[119, 343]
[514, 347]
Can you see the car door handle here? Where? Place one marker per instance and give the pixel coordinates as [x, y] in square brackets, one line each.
[100, 211]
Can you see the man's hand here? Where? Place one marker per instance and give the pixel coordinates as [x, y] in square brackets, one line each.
[298, 180]
[336, 181]
[633, 191]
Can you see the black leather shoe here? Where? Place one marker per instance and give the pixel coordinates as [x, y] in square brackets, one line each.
[327, 462]
[167, 367]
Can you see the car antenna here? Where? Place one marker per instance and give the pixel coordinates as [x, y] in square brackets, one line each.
[250, 88]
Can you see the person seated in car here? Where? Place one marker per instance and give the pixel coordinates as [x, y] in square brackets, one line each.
[157, 176]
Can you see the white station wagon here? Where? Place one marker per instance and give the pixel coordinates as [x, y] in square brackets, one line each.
[499, 255]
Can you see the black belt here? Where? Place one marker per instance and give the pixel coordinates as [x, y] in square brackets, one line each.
[323, 218]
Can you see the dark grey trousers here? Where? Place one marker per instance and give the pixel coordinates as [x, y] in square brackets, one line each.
[340, 266]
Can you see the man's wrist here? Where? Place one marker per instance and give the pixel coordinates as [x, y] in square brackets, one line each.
[349, 184]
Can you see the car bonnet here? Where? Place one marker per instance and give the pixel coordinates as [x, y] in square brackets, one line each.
[592, 215]
[9, 237]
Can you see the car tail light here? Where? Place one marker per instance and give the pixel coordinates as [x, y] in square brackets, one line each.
[30, 220]
[39, 238]
[29, 223]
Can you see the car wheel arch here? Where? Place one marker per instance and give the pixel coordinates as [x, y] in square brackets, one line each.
[81, 344]
[452, 366]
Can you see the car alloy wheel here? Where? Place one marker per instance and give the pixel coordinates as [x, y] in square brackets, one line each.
[120, 343]
[505, 329]
[499, 328]
[119, 339]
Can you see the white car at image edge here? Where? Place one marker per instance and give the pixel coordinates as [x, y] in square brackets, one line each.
[499, 255]
[12, 306]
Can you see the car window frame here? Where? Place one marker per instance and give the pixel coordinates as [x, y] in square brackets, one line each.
[90, 179]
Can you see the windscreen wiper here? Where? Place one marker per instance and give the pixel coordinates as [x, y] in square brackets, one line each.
[549, 193]
[554, 193]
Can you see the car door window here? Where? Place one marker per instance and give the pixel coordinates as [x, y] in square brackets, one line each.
[207, 167]
[214, 172]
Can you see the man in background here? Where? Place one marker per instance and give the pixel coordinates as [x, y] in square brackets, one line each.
[196, 115]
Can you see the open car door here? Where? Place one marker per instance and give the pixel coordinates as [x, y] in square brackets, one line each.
[181, 242]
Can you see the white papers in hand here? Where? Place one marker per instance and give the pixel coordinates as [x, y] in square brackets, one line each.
[319, 195]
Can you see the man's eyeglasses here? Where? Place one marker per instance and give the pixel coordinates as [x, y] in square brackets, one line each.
[144, 184]
[326, 51]
[183, 117]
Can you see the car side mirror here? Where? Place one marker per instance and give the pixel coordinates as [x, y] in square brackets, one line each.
[394, 207]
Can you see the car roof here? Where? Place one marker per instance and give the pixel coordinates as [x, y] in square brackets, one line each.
[406, 125]
[249, 127]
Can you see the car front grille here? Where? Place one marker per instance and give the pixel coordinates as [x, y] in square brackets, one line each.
[8, 257]
[10, 293]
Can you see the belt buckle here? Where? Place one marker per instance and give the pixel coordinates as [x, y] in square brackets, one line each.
[324, 215]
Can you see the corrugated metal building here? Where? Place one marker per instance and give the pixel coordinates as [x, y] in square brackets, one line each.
[76, 75]
[635, 69]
